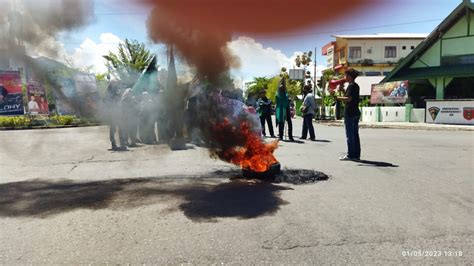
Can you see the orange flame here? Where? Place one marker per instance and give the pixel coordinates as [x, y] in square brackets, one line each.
[254, 154]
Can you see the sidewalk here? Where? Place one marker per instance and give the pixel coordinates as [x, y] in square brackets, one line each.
[401, 125]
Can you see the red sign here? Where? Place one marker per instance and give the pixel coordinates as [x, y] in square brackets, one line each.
[468, 113]
[37, 103]
[11, 96]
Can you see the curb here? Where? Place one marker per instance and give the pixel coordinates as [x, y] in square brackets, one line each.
[409, 126]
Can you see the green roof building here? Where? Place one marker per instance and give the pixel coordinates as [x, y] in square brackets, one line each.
[442, 66]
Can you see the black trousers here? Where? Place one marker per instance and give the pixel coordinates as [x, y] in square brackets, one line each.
[268, 118]
[281, 127]
[308, 126]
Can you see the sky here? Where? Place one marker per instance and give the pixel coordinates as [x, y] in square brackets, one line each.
[259, 55]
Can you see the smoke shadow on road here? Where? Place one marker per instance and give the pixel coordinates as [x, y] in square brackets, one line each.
[375, 163]
[200, 198]
[238, 199]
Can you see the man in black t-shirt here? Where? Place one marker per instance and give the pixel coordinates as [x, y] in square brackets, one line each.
[351, 116]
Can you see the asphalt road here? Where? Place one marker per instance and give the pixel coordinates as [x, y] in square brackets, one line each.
[65, 198]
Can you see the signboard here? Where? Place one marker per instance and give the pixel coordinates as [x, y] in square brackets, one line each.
[450, 112]
[11, 96]
[297, 74]
[37, 103]
[64, 96]
[330, 57]
[85, 84]
[88, 95]
[389, 92]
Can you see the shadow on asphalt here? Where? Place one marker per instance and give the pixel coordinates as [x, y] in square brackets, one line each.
[375, 163]
[293, 141]
[323, 140]
[201, 199]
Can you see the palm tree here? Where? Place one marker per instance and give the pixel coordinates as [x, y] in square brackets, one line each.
[257, 85]
[132, 58]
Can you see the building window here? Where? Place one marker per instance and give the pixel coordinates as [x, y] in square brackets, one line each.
[457, 60]
[372, 73]
[342, 54]
[404, 47]
[413, 47]
[355, 52]
[390, 51]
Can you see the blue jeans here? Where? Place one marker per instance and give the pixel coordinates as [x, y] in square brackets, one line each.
[352, 134]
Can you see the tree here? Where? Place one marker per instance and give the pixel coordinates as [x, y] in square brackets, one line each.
[328, 100]
[132, 58]
[304, 60]
[292, 88]
[257, 85]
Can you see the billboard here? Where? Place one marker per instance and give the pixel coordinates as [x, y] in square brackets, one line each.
[11, 96]
[296, 74]
[389, 92]
[64, 96]
[458, 112]
[37, 103]
[88, 95]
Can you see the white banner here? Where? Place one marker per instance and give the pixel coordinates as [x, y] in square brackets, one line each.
[85, 84]
[450, 112]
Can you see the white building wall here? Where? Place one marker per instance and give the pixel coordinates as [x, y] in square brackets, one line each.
[374, 49]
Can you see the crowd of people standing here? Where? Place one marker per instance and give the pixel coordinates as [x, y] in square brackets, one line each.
[284, 108]
[137, 118]
[285, 111]
[134, 117]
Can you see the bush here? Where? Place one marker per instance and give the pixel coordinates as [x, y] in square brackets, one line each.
[27, 121]
[63, 120]
[15, 121]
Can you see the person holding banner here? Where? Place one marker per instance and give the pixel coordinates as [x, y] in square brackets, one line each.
[351, 116]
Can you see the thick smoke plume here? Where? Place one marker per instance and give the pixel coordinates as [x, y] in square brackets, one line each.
[36, 24]
[201, 29]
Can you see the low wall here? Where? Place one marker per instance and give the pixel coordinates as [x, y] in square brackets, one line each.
[417, 115]
[369, 114]
[392, 114]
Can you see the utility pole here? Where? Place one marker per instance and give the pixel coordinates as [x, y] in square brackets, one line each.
[315, 78]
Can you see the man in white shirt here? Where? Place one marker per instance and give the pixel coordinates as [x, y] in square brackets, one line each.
[33, 107]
